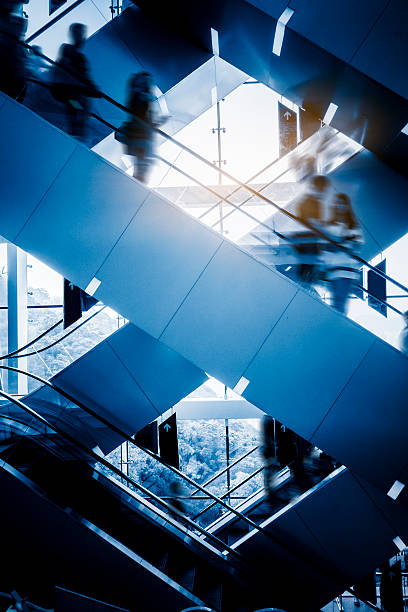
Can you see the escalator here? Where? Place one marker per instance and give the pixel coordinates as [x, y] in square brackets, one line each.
[116, 540]
[164, 271]
[134, 551]
[318, 64]
[145, 379]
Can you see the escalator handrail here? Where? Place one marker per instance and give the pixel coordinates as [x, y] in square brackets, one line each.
[45, 348]
[226, 469]
[236, 486]
[259, 173]
[96, 457]
[22, 348]
[288, 239]
[129, 439]
[315, 231]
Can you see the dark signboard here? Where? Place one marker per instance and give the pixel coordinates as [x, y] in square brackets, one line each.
[376, 286]
[168, 441]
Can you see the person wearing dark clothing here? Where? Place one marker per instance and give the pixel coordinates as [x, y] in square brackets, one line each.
[72, 83]
[137, 133]
[13, 56]
[268, 451]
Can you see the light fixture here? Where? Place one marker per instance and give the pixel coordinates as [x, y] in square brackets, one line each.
[280, 30]
[396, 489]
[331, 111]
[214, 42]
[399, 543]
[241, 385]
[92, 286]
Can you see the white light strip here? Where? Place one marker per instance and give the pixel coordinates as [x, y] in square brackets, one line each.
[399, 543]
[395, 489]
[214, 42]
[92, 286]
[241, 385]
[331, 111]
[405, 130]
[280, 30]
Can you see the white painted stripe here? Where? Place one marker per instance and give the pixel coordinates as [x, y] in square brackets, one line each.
[241, 385]
[331, 111]
[214, 42]
[280, 30]
[395, 489]
[92, 286]
[399, 543]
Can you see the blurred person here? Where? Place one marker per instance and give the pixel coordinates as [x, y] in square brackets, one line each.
[137, 133]
[13, 55]
[72, 83]
[175, 499]
[341, 269]
[312, 208]
[268, 450]
[37, 66]
[403, 338]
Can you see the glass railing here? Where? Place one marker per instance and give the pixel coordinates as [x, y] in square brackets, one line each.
[71, 419]
[56, 348]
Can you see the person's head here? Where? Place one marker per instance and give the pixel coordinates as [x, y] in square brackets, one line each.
[319, 183]
[77, 34]
[140, 81]
[36, 49]
[342, 210]
[175, 488]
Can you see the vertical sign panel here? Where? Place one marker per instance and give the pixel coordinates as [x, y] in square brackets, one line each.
[287, 129]
[376, 286]
[168, 441]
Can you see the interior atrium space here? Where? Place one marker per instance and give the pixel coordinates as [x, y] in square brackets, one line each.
[203, 306]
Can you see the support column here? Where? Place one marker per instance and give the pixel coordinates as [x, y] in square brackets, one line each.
[16, 315]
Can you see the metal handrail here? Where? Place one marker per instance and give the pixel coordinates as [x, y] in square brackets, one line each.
[146, 450]
[218, 169]
[45, 348]
[96, 457]
[226, 469]
[113, 427]
[231, 490]
[22, 348]
[250, 180]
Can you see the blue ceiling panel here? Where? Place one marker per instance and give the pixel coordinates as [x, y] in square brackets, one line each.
[379, 197]
[348, 525]
[26, 181]
[170, 250]
[371, 415]
[383, 55]
[82, 235]
[163, 374]
[157, 49]
[101, 381]
[368, 112]
[227, 305]
[322, 347]
[338, 26]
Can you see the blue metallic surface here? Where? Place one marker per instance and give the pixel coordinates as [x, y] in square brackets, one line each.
[158, 273]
